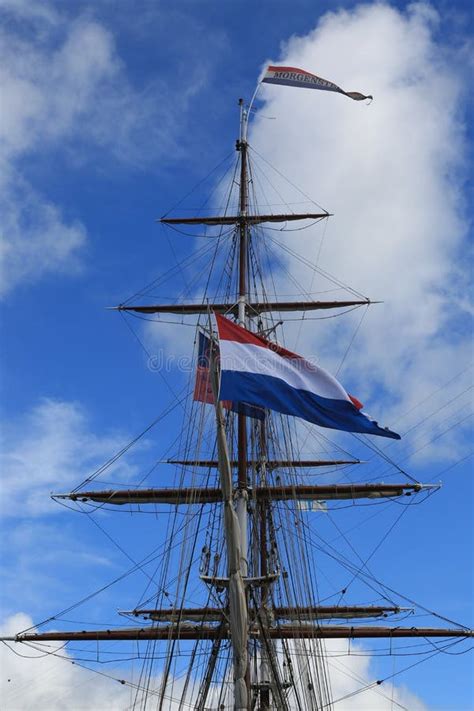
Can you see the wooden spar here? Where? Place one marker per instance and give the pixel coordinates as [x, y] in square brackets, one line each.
[238, 627]
[270, 464]
[305, 612]
[191, 495]
[252, 308]
[239, 219]
[333, 611]
[243, 249]
[203, 631]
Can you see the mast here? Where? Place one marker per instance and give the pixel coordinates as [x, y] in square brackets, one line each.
[242, 485]
[260, 513]
[242, 493]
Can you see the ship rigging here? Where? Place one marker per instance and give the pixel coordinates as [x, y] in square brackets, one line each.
[241, 613]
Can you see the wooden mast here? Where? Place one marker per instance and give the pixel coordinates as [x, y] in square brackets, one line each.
[241, 496]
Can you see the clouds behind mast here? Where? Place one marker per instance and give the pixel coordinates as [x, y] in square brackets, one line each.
[393, 174]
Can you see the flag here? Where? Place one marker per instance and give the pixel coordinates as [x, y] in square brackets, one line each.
[263, 373]
[308, 505]
[291, 76]
[203, 387]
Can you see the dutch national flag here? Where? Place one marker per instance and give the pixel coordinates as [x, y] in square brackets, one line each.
[256, 371]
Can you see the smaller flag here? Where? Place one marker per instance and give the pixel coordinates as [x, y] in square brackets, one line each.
[203, 386]
[291, 76]
[305, 505]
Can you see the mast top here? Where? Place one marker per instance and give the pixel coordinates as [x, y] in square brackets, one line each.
[243, 123]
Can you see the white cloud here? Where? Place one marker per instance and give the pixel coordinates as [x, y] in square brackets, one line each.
[51, 683]
[349, 677]
[170, 345]
[71, 85]
[48, 449]
[35, 240]
[392, 173]
[43, 562]
[30, 9]
[65, 91]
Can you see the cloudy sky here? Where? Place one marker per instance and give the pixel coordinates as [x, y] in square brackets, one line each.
[111, 112]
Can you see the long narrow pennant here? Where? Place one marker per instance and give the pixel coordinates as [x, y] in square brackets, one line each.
[291, 76]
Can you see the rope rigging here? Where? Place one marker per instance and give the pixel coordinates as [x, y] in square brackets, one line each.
[189, 567]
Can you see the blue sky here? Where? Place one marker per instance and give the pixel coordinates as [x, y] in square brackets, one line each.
[112, 114]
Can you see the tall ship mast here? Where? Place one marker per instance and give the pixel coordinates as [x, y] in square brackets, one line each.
[234, 615]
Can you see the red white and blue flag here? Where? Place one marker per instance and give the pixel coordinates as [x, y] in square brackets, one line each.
[262, 373]
[291, 76]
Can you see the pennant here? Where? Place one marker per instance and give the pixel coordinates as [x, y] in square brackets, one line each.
[291, 76]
